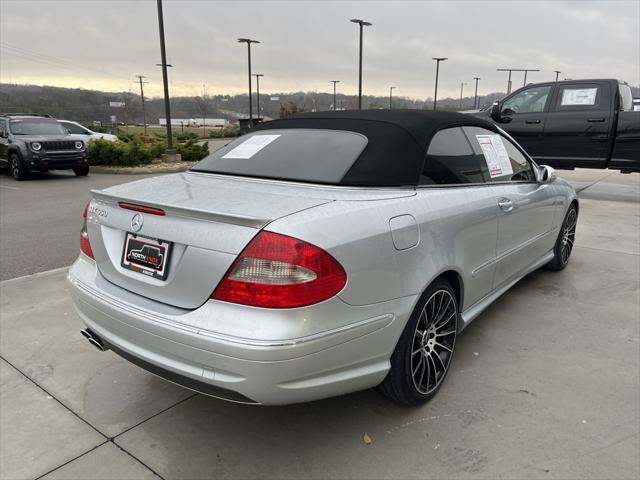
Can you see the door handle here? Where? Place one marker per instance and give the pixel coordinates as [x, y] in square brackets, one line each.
[595, 120]
[532, 121]
[505, 204]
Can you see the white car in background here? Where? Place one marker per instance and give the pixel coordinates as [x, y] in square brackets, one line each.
[77, 129]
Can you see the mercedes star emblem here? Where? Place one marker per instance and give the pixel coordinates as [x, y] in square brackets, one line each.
[136, 222]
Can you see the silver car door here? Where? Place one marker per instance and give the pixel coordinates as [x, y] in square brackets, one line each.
[525, 207]
[458, 221]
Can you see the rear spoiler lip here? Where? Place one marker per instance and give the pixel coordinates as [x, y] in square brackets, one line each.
[175, 210]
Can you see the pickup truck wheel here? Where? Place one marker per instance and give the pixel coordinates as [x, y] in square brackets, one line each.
[564, 242]
[81, 171]
[18, 171]
[421, 359]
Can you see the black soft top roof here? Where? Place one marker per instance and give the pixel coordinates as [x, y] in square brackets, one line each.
[397, 139]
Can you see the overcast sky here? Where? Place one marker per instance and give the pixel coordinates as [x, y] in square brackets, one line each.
[96, 44]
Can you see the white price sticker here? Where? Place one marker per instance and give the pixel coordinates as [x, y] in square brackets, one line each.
[578, 96]
[495, 155]
[251, 146]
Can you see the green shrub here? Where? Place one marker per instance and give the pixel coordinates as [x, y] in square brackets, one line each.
[102, 152]
[224, 133]
[183, 137]
[192, 151]
[129, 153]
[137, 150]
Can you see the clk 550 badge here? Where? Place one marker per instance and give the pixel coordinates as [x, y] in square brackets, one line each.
[100, 212]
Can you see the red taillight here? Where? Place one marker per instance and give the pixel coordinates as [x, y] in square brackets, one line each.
[142, 208]
[277, 271]
[85, 245]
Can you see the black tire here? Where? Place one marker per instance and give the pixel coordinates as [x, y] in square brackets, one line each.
[564, 243]
[18, 172]
[418, 348]
[82, 171]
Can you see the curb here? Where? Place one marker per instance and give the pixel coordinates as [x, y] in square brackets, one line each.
[32, 276]
[182, 167]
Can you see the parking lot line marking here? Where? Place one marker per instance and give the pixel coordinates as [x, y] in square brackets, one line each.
[10, 188]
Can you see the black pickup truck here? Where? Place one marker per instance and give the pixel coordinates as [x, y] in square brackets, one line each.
[574, 123]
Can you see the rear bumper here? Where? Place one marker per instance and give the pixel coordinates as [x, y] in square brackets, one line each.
[291, 369]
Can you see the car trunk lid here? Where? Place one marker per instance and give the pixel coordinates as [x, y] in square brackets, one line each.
[208, 222]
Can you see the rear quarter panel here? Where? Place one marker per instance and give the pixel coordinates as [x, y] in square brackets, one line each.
[456, 231]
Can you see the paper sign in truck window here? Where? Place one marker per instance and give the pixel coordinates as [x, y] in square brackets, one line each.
[495, 155]
[250, 146]
[578, 96]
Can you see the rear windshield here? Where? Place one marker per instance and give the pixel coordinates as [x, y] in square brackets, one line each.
[36, 126]
[301, 155]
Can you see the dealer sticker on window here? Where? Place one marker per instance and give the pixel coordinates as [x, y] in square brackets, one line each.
[495, 155]
[250, 146]
[579, 96]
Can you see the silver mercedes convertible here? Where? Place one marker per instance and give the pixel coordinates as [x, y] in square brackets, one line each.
[319, 255]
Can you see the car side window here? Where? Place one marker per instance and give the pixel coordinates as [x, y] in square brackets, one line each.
[487, 147]
[3, 128]
[530, 100]
[74, 128]
[578, 98]
[450, 160]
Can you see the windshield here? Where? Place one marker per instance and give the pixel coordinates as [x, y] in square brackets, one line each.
[300, 154]
[36, 126]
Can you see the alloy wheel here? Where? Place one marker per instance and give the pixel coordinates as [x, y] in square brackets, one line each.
[15, 167]
[433, 341]
[568, 236]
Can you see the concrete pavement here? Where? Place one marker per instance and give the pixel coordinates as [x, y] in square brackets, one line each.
[545, 384]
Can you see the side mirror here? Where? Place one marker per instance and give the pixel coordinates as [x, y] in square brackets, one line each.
[68, 130]
[495, 111]
[547, 174]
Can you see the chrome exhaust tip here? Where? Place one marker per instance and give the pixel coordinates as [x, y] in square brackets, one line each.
[93, 339]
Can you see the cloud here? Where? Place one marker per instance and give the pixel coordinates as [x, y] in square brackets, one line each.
[305, 44]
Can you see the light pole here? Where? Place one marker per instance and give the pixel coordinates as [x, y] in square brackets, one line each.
[258, 75]
[525, 70]
[334, 93]
[435, 95]
[249, 41]
[558, 72]
[165, 81]
[462, 84]
[391, 97]
[475, 96]
[144, 115]
[362, 24]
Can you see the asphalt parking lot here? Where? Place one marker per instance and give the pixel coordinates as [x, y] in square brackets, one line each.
[544, 384]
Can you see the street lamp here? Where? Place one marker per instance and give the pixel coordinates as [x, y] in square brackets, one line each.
[248, 41]
[390, 96]
[435, 95]
[165, 81]
[334, 93]
[258, 75]
[510, 70]
[362, 24]
[462, 84]
[475, 97]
